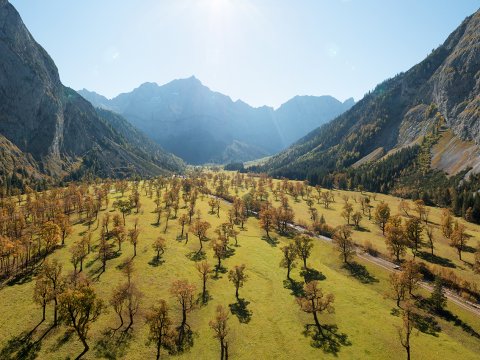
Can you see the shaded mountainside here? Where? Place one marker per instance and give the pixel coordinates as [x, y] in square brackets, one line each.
[202, 126]
[441, 93]
[53, 132]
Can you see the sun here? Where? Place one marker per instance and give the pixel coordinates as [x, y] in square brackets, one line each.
[219, 6]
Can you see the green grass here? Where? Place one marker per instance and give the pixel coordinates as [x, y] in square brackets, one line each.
[275, 329]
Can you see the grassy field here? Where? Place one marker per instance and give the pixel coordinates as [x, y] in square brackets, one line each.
[446, 256]
[275, 328]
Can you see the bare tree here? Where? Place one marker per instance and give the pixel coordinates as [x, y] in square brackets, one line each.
[342, 238]
[42, 294]
[314, 301]
[382, 214]
[159, 324]
[220, 327]
[405, 332]
[159, 245]
[288, 260]
[304, 246]
[53, 272]
[80, 307]
[184, 292]
[238, 277]
[203, 269]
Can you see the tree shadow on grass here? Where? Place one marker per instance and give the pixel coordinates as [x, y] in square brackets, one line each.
[197, 256]
[188, 340]
[447, 315]
[329, 340]
[21, 347]
[361, 229]
[112, 345]
[229, 253]
[62, 340]
[360, 273]
[23, 277]
[180, 238]
[203, 301]
[295, 286]
[218, 270]
[312, 274]
[240, 310]
[156, 261]
[272, 241]
[426, 324]
[434, 259]
[90, 263]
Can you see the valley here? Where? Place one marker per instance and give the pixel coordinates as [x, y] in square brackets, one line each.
[362, 303]
[168, 220]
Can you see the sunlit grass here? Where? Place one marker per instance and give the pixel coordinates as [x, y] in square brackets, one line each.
[276, 327]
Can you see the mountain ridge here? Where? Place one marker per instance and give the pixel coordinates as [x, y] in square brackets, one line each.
[441, 92]
[184, 109]
[52, 126]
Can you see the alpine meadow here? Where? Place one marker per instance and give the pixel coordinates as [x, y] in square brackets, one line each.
[148, 216]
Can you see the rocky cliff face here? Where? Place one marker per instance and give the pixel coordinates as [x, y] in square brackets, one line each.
[441, 92]
[48, 123]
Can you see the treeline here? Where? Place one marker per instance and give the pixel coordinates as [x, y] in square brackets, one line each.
[403, 174]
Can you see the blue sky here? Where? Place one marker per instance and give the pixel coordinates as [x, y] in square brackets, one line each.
[261, 51]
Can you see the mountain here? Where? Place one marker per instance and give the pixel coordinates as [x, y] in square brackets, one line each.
[51, 132]
[422, 124]
[300, 115]
[203, 126]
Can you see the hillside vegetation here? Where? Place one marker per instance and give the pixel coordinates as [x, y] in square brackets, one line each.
[408, 118]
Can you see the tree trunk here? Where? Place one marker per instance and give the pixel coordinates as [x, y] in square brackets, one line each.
[159, 343]
[236, 293]
[204, 290]
[181, 332]
[317, 323]
[43, 312]
[121, 321]
[222, 350]
[85, 348]
[130, 324]
[55, 311]
[288, 273]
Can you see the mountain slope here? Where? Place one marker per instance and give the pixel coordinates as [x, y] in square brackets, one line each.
[201, 126]
[442, 92]
[302, 114]
[50, 124]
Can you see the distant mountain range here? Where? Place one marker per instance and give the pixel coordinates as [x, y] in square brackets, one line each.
[49, 132]
[418, 125]
[202, 126]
